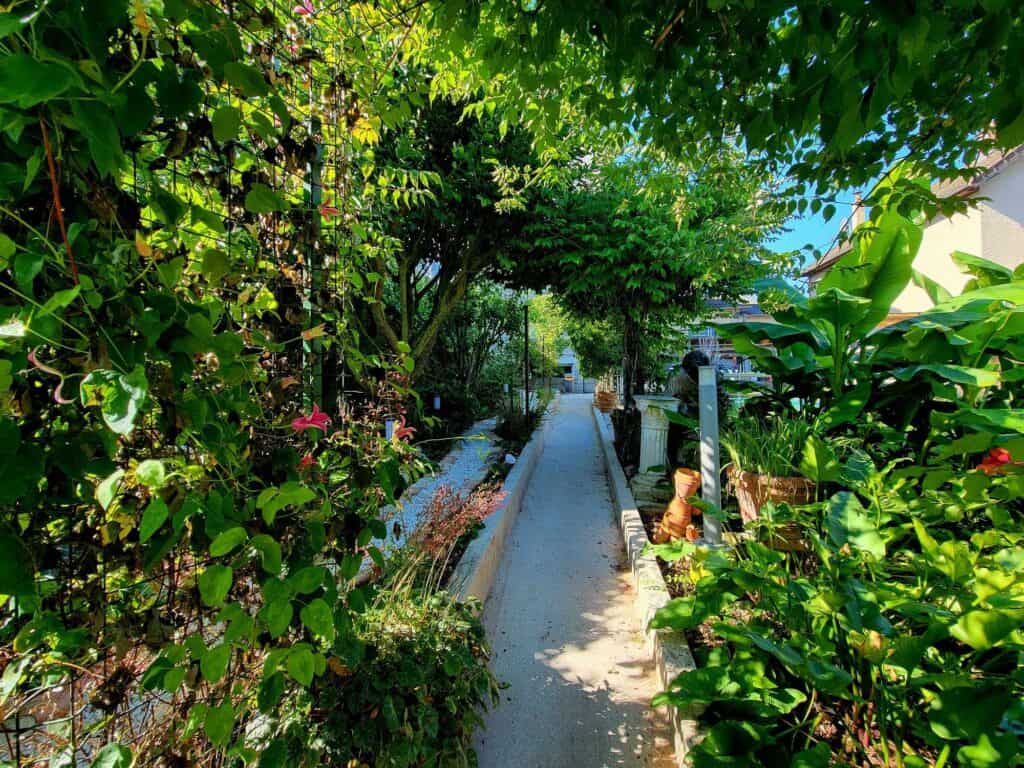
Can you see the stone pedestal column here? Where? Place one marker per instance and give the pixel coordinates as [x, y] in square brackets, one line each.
[653, 447]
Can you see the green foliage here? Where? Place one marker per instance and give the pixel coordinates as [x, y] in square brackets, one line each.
[420, 663]
[835, 93]
[902, 625]
[162, 322]
[642, 245]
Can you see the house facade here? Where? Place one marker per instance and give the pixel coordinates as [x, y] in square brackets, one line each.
[993, 229]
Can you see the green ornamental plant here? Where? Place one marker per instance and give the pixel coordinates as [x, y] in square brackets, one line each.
[896, 640]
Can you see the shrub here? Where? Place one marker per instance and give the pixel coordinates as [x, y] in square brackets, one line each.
[410, 691]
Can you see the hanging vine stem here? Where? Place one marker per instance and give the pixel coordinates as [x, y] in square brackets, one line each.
[55, 187]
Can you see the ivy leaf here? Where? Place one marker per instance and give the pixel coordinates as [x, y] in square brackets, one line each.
[301, 665]
[151, 473]
[214, 663]
[109, 488]
[156, 515]
[17, 569]
[215, 265]
[274, 756]
[317, 617]
[228, 541]
[97, 124]
[270, 553]
[218, 723]
[120, 396]
[113, 756]
[270, 692]
[25, 81]
[277, 615]
[308, 579]
[214, 584]
[226, 122]
[247, 79]
[262, 199]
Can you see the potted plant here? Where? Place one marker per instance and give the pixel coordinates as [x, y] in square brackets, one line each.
[765, 467]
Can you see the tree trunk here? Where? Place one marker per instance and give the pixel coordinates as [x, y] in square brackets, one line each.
[631, 374]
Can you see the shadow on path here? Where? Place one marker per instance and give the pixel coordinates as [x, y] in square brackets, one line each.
[562, 624]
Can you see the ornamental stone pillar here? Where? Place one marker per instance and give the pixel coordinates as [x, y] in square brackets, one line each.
[653, 447]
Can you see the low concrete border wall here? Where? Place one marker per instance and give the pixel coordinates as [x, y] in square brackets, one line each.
[474, 574]
[670, 650]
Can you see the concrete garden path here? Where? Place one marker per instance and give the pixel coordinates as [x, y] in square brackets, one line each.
[561, 621]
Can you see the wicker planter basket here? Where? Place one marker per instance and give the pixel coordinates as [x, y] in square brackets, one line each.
[753, 491]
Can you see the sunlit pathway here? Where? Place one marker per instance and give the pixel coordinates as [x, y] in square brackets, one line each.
[561, 621]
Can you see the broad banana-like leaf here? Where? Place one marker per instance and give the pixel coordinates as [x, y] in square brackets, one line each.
[878, 267]
[985, 272]
[958, 374]
[935, 291]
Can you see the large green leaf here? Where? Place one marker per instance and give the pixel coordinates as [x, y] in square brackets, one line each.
[25, 81]
[968, 711]
[819, 462]
[878, 267]
[958, 374]
[120, 396]
[113, 756]
[17, 569]
[847, 522]
[214, 584]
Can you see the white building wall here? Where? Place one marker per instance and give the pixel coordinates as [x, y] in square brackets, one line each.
[1002, 220]
[994, 230]
[961, 232]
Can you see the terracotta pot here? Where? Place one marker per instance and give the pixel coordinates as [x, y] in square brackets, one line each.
[692, 533]
[753, 491]
[687, 482]
[605, 401]
[677, 518]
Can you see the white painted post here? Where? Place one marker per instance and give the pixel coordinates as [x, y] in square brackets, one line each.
[710, 471]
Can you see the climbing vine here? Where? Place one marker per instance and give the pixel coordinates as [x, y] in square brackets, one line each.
[187, 491]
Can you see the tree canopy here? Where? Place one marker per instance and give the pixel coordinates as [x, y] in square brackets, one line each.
[833, 92]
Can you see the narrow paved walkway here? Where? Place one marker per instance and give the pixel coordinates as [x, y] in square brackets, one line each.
[561, 621]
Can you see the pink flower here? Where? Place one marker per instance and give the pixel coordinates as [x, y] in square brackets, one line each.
[306, 462]
[329, 211]
[403, 432]
[304, 8]
[316, 420]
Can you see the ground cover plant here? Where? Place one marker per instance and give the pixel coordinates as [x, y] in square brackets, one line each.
[896, 638]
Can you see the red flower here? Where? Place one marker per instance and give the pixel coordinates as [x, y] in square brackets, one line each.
[306, 461]
[403, 432]
[316, 420]
[329, 211]
[304, 8]
[995, 461]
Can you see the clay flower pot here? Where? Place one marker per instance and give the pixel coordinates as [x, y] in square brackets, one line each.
[753, 491]
[605, 401]
[687, 482]
[677, 521]
[677, 518]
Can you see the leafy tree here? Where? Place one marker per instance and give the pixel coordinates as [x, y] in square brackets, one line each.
[484, 324]
[833, 92]
[643, 244]
[436, 249]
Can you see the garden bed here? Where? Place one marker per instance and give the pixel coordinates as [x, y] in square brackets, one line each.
[670, 650]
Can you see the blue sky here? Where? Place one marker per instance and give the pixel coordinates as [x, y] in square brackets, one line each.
[809, 229]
